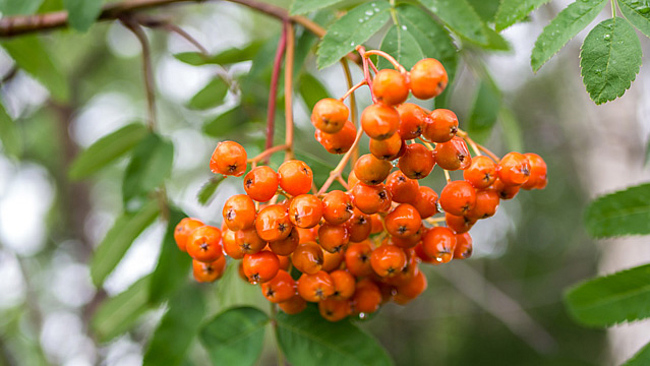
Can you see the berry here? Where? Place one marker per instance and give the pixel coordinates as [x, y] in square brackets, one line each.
[261, 267]
[439, 243]
[379, 121]
[387, 260]
[458, 198]
[287, 245]
[411, 289]
[390, 87]
[279, 289]
[229, 158]
[239, 212]
[315, 287]
[514, 169]
[417, 162]
[230, 246]
[370, 170]
[261, 183]
[344, 284]
[357, 259]
[337, 207]
[388, 149]
[453, 154]
[505, 192]
[359, 226]
[537, 178]
[308, 258]
[204, 244]
[248, 241]
[294, 305]
[481, 173]
[333, 238]
[367, 297]
[305, 211]
[426, 202]
[208, 272]
[402, 188]
[428, 78]
[403, 221]
[487, 202]
[273, 223]
[463, 246]
[334, 310]
[339, 142]
[413, 119]
[442, 126]
[329, 115]
[183, 231]
[371, 199]
[295, 177]
[332, 261]
[459, 224]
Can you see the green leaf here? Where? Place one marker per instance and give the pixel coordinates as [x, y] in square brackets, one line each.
[638, 13]
[641, 358]
[226, 122]
[31, 56]
[610, 59]
[485, 111]
[511, 130]
[117, 314]
[311, 90]
[207, 191]
[177, 328]
[460, 17]
[210, 96]
[118, 240]
[625, 212]
[351, 30]
[106, 150]
[605, 301]
[235, 337]
[9, 134]
[19, 7]
[562, 28]
[434, 40]
[308, 339]
[173, 264]
[486, 9]
[495, 40]
[150, 164]
[306, 6]
[399, 43]
[82, 13]
[226, 57]
[512, 11]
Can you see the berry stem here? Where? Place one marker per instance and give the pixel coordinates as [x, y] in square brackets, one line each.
[270, 116]
[366, 71]
[288, 90]
[353, 105]
[470, 142]
[350, 92]
[267, 153]
[447, 176]
[339, 168]
[388, 57]
[435, 220]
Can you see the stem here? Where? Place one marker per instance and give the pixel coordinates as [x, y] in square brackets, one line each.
[489, 153]
[447, 176]
[613, 8]
[339, 168]
[388, 57]
[366, 72]
[353, 107]
[270, 117]
[267, 152]
[350, 92]
[288, 91]
[471, 143]
[435, 220]
[181, 32]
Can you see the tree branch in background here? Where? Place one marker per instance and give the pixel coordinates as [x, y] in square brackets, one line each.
[273, 90]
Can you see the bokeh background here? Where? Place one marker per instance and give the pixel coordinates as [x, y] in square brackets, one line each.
[501, 307]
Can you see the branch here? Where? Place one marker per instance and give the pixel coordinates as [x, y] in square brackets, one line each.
[273, 91]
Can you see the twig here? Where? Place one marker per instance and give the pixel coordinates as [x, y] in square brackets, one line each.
[339, 168]
[267, 152]
[288, 91]
[273, 93]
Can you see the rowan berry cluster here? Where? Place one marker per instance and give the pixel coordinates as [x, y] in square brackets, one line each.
[351, 251]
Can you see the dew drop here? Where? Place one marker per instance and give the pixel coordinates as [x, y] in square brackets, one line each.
[607, 36]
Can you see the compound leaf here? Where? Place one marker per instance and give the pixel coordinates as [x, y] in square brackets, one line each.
[625, 212]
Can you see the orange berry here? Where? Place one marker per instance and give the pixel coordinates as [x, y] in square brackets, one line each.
[505, 191]
[388, 149]
[513, 169]
[537, 178]
[390, 87]
[339, 142]
[458, 198]
[229, 158]
[370, 170]
[295, 177]
[279, 289]
[426, 202]
[294, 305]
[183, 231]
[359, 226]
[239, 212]
[367, 297]
[428, 78]
[337, 207]
[208, 272]
[287, 245]
[332, 261]
[442, 126]
[305, 211]
[453, 155]
[402, 188]
[403, 221]
[230, 246]
[417, 162]
[463, 246]
[371, 199]
[439, 243]
[487, 202]
[388, 260]
[333, 238]
[273, 223]
[315, 287]
[357, 259]
[329, 115]
[204, 244]
[413, 120]
[261, 267]
[344, 284]
[308, 258]
[459, 224]
[481, 173]
[411, 289]
[248, 241]
[379, 121]
[261, 183]
[334, 310]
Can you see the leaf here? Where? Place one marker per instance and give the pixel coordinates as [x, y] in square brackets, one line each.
[308, 339]
[512, 11]
[610, 59]
[117, 314]
[625, 212]
[31, 56]
[9, 134]
[118, 240]
[605, 301]
[82, 13]
[19, 7]
[562, 28]
[306, 6]
[226, 57]
[399, 43]
[210, 96]
[177, 328]
[351, 30]
[460, 17]
[638, 13]
[311, 90]
[495, 40]
[150, 164]
[106, 150]
[484, 111]
[207, 191]
[434, 40]
[486, 9]
[511, 129]
[173, 264]
[235, 337]
[226, 122]
[641, 358]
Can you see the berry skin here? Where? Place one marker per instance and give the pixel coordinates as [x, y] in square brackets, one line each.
[344, 284]
[388, 260]
[481, 173]
[183, 231]
[426, 202]
[337, 207]
[463, 246]
[442, 126]
[305, 211]
[390, 87]
[428, 78]
[261, 267]
[248, 241]
[537, 179]
[367, 297]
[459, 224]
[458, 198]
[357, 259]
[404, 221]
[333, 238]
[413, 119]
[208, 272]
[453, 155]
[332, 261]
[239, 212]
[402, 188]
[514, 169]
[411, 289]
[261, 183]
[273, 223]
[230, 246]
[295, 177]
[287, 245]
[334, 310]
[371, 199]
[279, 289]
[388, 149]
[339, 142]
[379, 121]
[329, 115]
[487, 202]
[295, 305]
[229, 158]
[315, 287]
[359, 226]
[439, 243]
[417, 162]
[370, 170]
[505, 192]
[308, 258]
[204, 244]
